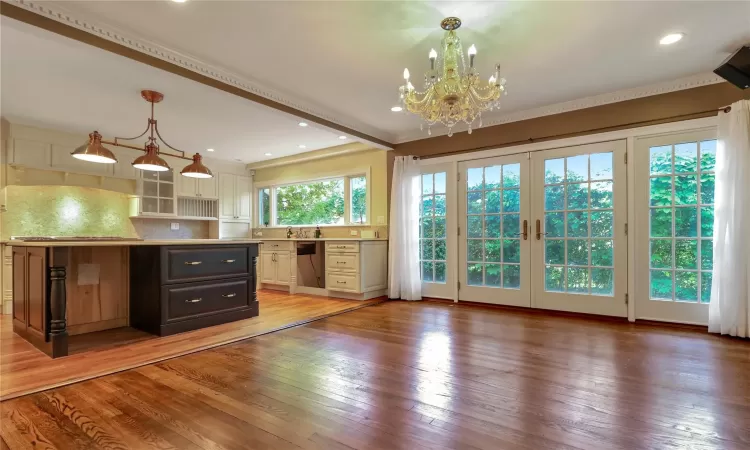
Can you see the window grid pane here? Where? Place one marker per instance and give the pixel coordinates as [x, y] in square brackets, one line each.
[358, 199]
[681, 221]
[493, 226]
[432, 235]
[579, 224]
[316, 203]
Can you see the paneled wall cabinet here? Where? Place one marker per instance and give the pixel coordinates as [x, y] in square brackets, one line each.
[234, 197]
[207, 188]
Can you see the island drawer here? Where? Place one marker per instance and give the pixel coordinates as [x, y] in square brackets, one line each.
[194, 264]
[195, 300]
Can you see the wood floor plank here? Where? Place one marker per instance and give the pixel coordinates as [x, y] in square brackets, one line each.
[403, 375]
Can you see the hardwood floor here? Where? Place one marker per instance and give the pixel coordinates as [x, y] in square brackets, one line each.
[401, 375]
[24, 369]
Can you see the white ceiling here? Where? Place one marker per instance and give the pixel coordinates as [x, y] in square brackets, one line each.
[344, 59]
[54, 82]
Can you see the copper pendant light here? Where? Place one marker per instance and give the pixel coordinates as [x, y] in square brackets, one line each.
[94, 151]
[152, 161]
[197, 169]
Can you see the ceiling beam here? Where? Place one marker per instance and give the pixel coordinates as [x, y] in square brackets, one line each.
[37, 20]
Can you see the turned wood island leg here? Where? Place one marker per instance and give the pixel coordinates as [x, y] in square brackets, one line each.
[58, 332]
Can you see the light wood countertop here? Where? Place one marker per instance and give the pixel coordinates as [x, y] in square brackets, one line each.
[261, 239]
[93, 243]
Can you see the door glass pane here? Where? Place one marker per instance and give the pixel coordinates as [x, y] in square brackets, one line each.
[682, 211]
[432, 237]
[579, 224]
[493, 226]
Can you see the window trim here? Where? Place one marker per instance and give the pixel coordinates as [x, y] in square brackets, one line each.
[345, 175]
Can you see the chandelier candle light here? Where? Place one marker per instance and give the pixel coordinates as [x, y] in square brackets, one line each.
[94, 151]
[452, 94]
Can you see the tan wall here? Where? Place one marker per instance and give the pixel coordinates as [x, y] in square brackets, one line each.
[376, 160]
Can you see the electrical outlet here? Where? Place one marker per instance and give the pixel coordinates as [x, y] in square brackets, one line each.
[175, 226]
[381, 220]
[353, 232]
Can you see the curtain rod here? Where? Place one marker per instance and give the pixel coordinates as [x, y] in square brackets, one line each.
[724, 109]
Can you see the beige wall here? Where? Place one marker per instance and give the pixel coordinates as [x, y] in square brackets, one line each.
[375, 159]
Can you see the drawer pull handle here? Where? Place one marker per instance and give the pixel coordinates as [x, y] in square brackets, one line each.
[341, 246]
[340, 262]
[193, 263]
[229, 295]
[341, 282]
[194, 300]
[228, 261]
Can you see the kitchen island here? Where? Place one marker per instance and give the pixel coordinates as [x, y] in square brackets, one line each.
[158, 286]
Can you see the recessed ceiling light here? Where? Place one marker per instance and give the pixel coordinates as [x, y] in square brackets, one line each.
[268, 154]
[302, 146]
[209, 149]
[342, 137]
[396, 109]
[179, 1]
[671, 38]
[303, 124]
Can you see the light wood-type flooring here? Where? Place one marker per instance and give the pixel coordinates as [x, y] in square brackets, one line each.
[24, 369]
[411, 375]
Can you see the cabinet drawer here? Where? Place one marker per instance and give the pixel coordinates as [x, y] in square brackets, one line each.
[342, 281]
[342, 246]
[276, 246]
[189, 301]
[344, 262]
[194, 264]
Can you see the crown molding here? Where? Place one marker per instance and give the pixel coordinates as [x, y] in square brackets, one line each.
[694, 81]
[113, 34]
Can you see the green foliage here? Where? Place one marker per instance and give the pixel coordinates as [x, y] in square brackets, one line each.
[358, 188]
[321, 202]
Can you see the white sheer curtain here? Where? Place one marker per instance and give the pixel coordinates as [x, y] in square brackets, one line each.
[729, 311]
[404, 280]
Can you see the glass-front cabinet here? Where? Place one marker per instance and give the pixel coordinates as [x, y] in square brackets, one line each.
[157, 193]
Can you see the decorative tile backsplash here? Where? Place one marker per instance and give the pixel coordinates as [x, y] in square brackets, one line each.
[83, 211]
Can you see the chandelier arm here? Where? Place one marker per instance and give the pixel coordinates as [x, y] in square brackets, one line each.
[148, 127]
[489, 97]
[182, 154]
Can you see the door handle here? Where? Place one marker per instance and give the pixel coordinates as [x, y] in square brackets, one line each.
[539, 233]
[193, 263]
[229, 295]
[525, 230]
[273, 256]
[194, 300]
[227, 261]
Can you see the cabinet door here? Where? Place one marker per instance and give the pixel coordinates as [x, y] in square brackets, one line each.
[186, 186]
[36, 289]
[243, 189]
[227, 201]
[267, 267]
[208, 187]
[283, 268]
[19, 284]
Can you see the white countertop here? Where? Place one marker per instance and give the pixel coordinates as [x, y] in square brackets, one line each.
[261, 239]
[21, 243]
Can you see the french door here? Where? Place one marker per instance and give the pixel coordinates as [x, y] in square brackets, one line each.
[579, 250]
[546, 229]
[493, 233]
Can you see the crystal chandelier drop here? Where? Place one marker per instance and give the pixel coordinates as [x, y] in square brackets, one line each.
[453, 92]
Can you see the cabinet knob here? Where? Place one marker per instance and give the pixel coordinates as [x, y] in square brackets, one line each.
[194, 300]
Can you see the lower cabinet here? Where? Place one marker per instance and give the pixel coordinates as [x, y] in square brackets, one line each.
[357, 267]
[276, 267]
[180, 288]
[30, 292]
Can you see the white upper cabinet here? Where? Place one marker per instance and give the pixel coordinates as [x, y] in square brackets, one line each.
[197, 187]
[208, 187]
[187, 187]
[234, 197]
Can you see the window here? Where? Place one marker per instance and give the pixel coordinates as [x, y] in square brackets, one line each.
[432, 237]
[332, 201]
[358, 199]
[264, 206]
[681, 219]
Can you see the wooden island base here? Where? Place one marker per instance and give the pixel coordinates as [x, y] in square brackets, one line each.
[65, 288]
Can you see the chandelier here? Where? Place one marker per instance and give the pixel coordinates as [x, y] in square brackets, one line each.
[452, 92]
[94, 151]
